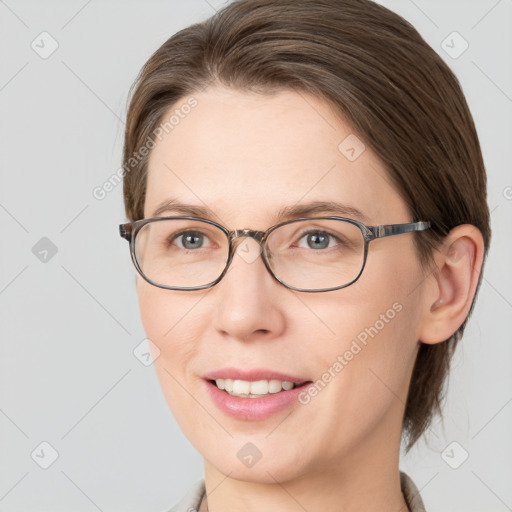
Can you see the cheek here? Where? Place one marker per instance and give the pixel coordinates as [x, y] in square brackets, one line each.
[362, 372]
[169, 317]
[390, 306]
[174, 323]
[362, 334]
[372, 337]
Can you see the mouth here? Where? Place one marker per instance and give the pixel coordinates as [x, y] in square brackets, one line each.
[252, 395]
[254, 389]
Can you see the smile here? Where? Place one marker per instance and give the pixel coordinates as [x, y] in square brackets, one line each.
[253, 389]
[255, 394]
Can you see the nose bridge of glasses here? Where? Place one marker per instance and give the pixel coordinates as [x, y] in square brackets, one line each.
[249, 233]
[249, 252]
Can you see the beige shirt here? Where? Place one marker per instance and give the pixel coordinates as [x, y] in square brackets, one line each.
[192, 500]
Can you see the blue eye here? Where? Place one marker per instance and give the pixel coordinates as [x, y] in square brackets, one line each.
[317, 240]
[190, 240]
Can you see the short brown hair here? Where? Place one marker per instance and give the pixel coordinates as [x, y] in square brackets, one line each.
[376, 71]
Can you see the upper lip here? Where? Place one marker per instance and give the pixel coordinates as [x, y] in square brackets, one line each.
[252, 375]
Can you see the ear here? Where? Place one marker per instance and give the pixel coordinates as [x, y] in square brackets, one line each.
[451, 287]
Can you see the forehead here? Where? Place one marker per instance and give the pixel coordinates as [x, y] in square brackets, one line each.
[245, 154]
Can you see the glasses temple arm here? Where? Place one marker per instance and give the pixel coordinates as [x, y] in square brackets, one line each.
[398, 229]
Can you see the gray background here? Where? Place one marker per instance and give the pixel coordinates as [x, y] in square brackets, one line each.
[69, 321]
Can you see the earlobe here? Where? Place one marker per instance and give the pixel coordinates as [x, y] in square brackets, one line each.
[452, 286]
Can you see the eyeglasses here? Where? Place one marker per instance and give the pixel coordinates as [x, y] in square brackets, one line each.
[317, 254]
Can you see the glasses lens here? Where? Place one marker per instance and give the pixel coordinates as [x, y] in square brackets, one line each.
[316, 254]
[181, 253]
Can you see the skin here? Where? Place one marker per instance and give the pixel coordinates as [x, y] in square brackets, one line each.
[245, 156]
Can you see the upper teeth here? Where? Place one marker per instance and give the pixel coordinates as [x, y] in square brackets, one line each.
[259, 387]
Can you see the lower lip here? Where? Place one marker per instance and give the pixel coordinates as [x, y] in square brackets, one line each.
[252, 409]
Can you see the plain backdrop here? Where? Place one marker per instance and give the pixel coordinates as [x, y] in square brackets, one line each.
[74, 397]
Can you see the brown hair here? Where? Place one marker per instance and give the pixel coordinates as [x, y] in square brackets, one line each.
[379, 75]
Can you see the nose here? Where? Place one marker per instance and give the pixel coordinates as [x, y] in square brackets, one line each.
[248, 300]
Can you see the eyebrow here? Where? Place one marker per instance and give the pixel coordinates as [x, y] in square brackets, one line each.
[284, 213]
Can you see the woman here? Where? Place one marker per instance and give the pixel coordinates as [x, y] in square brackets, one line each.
[307, 206]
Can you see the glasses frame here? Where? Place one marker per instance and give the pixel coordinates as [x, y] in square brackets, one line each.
[129, 231]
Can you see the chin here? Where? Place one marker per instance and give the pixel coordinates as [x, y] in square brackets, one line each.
[248, 459]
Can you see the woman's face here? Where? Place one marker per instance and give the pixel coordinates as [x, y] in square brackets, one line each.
[245, 157]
